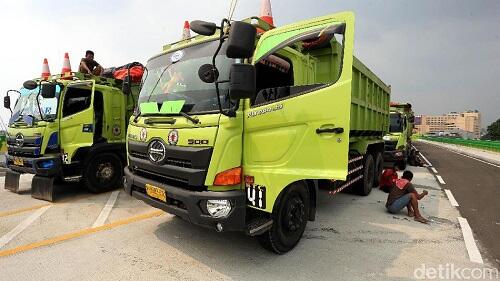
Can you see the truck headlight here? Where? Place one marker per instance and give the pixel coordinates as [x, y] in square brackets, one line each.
[398, 154]
[218, 208]
[386, 138]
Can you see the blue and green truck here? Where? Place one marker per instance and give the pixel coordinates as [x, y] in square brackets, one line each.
[69, 127]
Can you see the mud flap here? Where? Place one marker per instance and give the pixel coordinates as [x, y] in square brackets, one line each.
[12, 181]
[42, 188]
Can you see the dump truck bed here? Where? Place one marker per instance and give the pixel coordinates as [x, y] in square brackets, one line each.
[369, 102]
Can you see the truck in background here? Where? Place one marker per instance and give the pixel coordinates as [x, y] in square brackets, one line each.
[236, 130]
[398, 142]
[69, 127]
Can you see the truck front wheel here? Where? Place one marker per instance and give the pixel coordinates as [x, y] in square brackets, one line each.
[104, 172]
[290, 217]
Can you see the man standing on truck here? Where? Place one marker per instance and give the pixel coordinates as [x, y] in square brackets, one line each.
[404, 194]
[89, 66]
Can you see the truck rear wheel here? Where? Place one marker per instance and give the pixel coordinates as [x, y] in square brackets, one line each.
[290, 215]
[364, 186]
[379, 167]
[104, 172]
[402, 165]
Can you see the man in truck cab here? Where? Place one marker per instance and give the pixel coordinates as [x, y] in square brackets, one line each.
[403, 194]
[89, 66]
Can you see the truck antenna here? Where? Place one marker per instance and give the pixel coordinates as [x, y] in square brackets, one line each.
[232, 7]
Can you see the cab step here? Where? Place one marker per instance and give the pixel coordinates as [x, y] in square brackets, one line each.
[259, 226]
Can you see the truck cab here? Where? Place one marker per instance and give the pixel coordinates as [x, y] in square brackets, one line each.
[68, 128]
[398, 147]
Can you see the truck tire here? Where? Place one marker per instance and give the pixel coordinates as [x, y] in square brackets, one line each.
[104, 172]
[364, 186]
[402, 165]
[379, 167]
[290, 215]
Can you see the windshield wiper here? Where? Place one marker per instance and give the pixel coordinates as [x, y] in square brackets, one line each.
[192, 119]
[182, 113]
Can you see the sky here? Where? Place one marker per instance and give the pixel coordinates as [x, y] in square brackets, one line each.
[440, 56]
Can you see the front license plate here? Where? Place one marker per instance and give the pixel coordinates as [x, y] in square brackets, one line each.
[18, 161]
[156, 192]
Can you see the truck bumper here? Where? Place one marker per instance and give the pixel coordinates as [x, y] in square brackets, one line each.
[394, 155]
[46, 166]
[190, 205]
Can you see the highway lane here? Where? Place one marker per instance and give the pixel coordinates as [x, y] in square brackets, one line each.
[475, 186]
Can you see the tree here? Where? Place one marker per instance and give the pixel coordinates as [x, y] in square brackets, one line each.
[494, 130]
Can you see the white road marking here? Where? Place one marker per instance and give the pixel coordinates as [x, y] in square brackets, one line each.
[477, 159]
[440, 179]
[470, 243]
[103, 216]
[425, 159]
[22, 226]
[434, 170]
[453, 202]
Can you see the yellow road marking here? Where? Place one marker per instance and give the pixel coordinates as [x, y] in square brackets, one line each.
[79, 233]
[22, 210]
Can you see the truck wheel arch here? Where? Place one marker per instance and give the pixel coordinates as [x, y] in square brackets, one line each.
[312, 186]
[84, 154]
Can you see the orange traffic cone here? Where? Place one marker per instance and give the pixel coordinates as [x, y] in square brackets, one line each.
[45, 70]
[265, 12]
[66, 69]
[186, 34]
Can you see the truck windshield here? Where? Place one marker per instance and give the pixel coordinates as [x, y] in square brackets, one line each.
[27, 105]
[174, 76]
[396, 123]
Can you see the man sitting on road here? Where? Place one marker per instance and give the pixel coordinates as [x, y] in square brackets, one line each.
[89, 66]
[388, 178]
[403, 194]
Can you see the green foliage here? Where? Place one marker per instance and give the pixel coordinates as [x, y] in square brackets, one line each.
[481, 144]
[494, 130]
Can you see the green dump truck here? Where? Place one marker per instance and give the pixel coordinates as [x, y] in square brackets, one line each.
[70, 127]
[398, 147]
[236, 131]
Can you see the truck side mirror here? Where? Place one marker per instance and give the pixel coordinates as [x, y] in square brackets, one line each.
[6, 102]
[208, 73]
[30, 85]
[48, 91]
[241, 41]
[203, 27]
[242, 83]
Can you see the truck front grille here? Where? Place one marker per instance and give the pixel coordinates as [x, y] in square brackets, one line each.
[182, 167]
[390, 145]
[28, 147]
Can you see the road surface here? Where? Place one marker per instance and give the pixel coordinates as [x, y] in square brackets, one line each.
[475, 185]
[112, 236]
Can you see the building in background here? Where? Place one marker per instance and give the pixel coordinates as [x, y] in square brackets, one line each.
[459, 124]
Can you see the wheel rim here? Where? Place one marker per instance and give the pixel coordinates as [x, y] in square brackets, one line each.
[293, 217]
[105, 172]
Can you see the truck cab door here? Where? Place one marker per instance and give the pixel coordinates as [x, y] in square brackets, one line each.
[77, 119]
[300, 130]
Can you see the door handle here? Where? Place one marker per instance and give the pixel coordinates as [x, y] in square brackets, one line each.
[337, 130]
